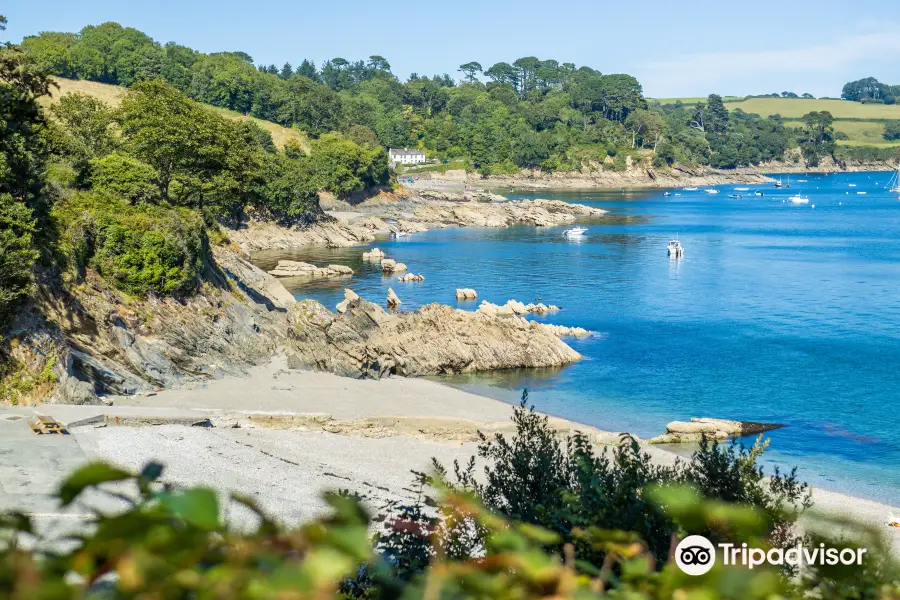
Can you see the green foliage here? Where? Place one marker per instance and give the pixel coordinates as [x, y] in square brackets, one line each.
[892, 130]
[818, 137]
[86, 131]
[341, 166]
[17, 256]
[141, 249]
[125, 177]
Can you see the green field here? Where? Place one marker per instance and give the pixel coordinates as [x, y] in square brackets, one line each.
[692, 100]
[794, 108]
[112, 95]
[861, 133]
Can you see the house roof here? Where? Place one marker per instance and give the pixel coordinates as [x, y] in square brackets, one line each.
[405, 151]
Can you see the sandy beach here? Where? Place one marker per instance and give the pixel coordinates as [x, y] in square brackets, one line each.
[285, 437]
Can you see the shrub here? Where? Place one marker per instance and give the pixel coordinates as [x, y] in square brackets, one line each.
[125, 177]
[17, 255]
[892, 130]
[140, 249]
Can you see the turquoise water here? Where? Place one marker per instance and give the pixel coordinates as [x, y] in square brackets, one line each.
[777, 312]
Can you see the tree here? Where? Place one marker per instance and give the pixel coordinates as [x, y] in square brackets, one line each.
[646, 128]
[503, 72]
[807, 95]
[379, 63]
[181, 140]
[286, 71]
[86, 131]
[891, 130]
[124, 177]
[867, 88]
[470, 70]
[307, 69]
[818, 137]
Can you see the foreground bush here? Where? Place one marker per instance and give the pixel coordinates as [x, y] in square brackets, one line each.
[140, 249]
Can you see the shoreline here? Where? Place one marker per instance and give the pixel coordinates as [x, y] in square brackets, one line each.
[374, 417]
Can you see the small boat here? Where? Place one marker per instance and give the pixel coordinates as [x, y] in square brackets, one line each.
[893, 521]
[852, 185]
[690, 189]
[400, 234]
[674, 248]
[677, 194]
[894, 183]
[742, 189]
[758, 194]
[574, 231]
[860, 193]
[665, 193]
[801, 181]
[711, 191]
[735, 196]
[798, 199]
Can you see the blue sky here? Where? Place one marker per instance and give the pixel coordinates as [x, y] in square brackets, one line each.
[675, 48]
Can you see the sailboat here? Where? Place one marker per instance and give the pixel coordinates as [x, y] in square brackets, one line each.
[895, 181]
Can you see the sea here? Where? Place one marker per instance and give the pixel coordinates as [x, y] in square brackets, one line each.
[778, 312]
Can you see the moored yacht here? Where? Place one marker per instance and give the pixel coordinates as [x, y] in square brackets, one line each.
[675, 248]
[798, 199]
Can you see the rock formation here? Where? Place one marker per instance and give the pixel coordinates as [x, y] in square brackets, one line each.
[367, 341]
[514, 307]
[374, 255]
[389, 265]
[393, 301]
[466, 294]
[411, 277]
[349, 296]
[719, 429]
[291, 268]
[538, 213]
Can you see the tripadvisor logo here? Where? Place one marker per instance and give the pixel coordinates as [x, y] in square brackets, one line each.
[696, 555]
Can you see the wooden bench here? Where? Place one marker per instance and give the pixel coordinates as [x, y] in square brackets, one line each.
[42, 424]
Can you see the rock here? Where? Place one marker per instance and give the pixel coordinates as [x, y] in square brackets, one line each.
[466, 294]
[291, 268]
[256, 283]
[367, 341]
[349, 296]
[398, 268]
[393, 301]
[517, 307]
[374, 255]
[563, 331]
[341, 269]
[538, 213]
[720, 429]
[411, 277]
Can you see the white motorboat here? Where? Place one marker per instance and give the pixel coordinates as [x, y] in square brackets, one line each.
[742, 189]
[674, 248]
[860, 193]
[400, 234]
[690, 189]
[798, 199]
[758, 194]
[711, 191]
[665, 193]
[574, 231]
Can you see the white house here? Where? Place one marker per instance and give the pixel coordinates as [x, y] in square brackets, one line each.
[406, 156]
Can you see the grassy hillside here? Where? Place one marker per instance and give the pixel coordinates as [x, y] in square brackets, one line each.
[112, 95]
[794, 108]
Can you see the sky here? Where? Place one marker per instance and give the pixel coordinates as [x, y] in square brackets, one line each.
[674, 48]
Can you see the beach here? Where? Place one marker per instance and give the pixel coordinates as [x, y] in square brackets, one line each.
[285, 437]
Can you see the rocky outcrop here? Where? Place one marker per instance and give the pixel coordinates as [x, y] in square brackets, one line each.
[389, 265]
[466, 294]
[291, 268]
[373, 255]
[255, 236]
[514, 307]
[563, 331]
[367, 341]
[393, 300]
[538, 213]
[349, 296]
[252, 280]
[719, 429]
[411, 277]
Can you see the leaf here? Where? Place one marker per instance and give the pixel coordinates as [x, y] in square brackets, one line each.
[90, 475]
[198, 507]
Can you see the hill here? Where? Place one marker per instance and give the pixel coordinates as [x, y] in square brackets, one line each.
[112, 95]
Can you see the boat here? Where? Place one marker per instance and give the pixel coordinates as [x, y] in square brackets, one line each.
[758, 194]
[674, 248]
[574, 231]
[860, 193]
[742, 189]
[400, 234]
[735, 196]
[852, 185]
[711, 191]
[798, 199]
[690, 189]
[665, 193]
[780, 183]
[802, 181]
[895, 181]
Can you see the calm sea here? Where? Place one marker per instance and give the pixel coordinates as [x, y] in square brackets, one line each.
[777, 312]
